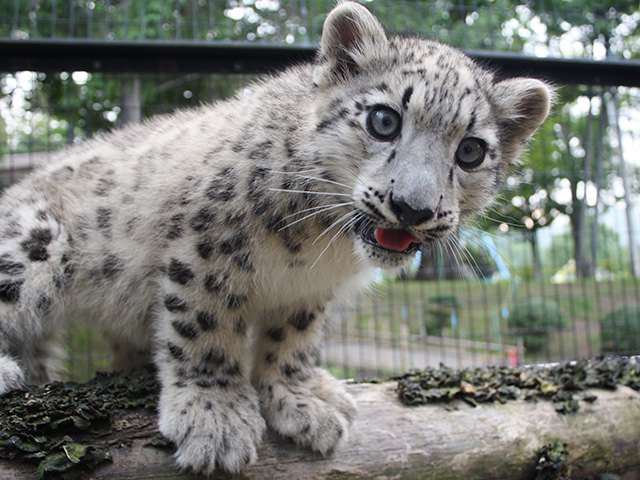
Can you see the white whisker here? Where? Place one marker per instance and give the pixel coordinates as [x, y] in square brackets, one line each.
[310, 192]
[324, 209]
[334, 224]
[330, 206]
[319, 179]
[345, 226]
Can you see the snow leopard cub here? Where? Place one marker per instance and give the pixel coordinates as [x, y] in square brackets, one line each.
[211, 240]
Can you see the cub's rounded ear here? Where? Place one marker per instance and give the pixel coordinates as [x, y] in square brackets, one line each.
[522, 104]
[351, 36]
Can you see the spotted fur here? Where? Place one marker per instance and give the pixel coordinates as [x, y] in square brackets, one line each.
[212, 240]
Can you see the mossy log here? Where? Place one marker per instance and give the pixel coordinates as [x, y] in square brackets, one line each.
[390, 440]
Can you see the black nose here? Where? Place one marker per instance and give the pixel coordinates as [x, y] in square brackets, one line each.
[407, 214]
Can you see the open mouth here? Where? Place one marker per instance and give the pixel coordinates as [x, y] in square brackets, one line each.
[391, 239]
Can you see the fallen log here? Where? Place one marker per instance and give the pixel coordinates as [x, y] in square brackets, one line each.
[390, 440]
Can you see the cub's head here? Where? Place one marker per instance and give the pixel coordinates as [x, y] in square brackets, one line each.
[420, 134]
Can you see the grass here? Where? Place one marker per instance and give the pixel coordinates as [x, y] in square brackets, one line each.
[484, 309]
[398, 314]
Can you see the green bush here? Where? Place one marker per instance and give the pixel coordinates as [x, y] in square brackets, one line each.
[533, 319]
[620, 330]
[439, 313]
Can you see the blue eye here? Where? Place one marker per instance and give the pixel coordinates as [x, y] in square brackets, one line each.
[470, 153]
[384, 123]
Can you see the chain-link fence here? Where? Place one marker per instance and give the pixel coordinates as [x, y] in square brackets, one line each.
[551, 273]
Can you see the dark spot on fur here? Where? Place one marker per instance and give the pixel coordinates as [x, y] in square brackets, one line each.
[179, 272]
[185, 329]
[104, 187]
[206, 321]
[208, 405]
[111, 266]
[223, 186]
[203, 219]
[232, 370]
[240, 326]
[243, 260]
[235, 301]
[406, 97]
[176, 352]
[131, 225]
[270, 358]
[36, 244]
[276, 334]
[175, 226]
[206, 248]
[289, 370]
[274, 223]
[10, 267]
[175, 304]
[44, 302]
[391, 156]
[257, 179]
[215, 357]
[302, 320]
[235, 218]
[61, 279]
[212, 283]
[103, 216]
[260, 208]
[222, 382]
[10, 291]
[234, 244]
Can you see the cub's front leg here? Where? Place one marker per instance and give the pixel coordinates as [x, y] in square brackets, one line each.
[207, 405]
[299, 400]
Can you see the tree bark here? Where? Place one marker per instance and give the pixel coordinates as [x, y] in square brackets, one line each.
[390, 440]
[131, 108]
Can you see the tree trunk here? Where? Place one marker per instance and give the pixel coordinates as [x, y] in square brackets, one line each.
[535, 252]
[602, 130]
[614, 121]
[391, 440]
[131, 108]
[578, 205]
[585, 269]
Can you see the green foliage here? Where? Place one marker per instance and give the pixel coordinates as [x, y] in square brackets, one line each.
[533, 319]
[609, 250]
[479, 259]
[439, 313]
[620, 330]
[38, 425]
[559, 383]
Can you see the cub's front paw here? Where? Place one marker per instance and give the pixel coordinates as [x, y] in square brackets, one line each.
[315, 413]
[210, 431]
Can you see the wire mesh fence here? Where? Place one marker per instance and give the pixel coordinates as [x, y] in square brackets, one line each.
[551, 273]
[534, 27]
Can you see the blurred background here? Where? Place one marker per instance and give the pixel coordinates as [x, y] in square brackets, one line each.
[551, 273]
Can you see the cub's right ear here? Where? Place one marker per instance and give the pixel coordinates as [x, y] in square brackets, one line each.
[351, 37]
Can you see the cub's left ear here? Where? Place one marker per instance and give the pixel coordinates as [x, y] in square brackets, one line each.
[351, 37]
[523, 104]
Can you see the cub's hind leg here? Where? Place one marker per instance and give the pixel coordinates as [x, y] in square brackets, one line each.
[35, 269]
[299, 400]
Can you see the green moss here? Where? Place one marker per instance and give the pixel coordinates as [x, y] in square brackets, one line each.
[564, 384]
[552, 462]
[39, 424]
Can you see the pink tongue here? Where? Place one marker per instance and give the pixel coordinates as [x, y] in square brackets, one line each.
[393, 239]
